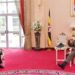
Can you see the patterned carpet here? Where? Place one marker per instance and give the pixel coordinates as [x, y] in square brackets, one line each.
[36, 72]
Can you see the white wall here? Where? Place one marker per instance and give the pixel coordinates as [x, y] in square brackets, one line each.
[60, 17]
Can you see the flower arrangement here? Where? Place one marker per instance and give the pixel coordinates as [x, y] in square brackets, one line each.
[36, 26]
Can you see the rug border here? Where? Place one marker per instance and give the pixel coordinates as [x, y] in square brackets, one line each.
[41, 71]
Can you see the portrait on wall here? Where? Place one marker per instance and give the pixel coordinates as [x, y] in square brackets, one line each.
[72, 7]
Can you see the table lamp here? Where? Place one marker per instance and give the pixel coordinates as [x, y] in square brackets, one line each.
[72, 26]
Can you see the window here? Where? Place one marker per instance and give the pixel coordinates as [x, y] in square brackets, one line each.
[11, 33]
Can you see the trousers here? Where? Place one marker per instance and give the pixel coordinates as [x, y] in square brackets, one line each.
[70, 56]
[0, 57]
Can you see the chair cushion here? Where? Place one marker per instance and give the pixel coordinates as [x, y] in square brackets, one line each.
[60, 45]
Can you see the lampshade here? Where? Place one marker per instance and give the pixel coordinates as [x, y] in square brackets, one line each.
[72, 25]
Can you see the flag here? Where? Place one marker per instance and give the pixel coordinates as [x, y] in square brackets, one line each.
[49, 31]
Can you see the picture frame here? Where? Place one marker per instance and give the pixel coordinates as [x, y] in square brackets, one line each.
[73, 8]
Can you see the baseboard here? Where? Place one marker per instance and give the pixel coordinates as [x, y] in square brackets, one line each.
[34, 48]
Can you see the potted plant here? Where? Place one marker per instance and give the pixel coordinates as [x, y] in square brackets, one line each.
[37, 29]
[36, 26]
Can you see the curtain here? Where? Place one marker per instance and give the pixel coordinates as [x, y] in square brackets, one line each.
[25, 16]
[22, 13]
[20, 10]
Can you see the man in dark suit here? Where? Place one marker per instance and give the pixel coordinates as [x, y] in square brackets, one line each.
[71, 43]
[1, 62]
[69, 58]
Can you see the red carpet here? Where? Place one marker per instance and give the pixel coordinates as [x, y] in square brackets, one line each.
[36, 72]
[19, 59]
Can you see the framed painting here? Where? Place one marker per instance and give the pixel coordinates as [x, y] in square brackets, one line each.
[72, 7]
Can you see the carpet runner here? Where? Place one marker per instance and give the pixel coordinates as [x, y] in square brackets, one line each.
[24, 61]
[36, 72]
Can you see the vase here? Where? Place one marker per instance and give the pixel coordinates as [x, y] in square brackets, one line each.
[37, 40]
